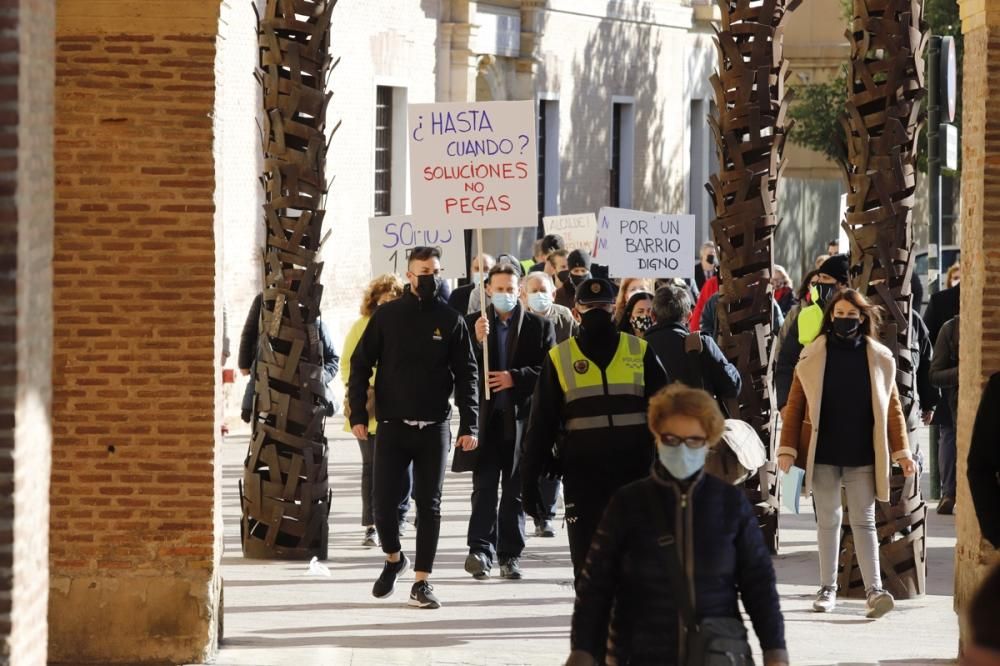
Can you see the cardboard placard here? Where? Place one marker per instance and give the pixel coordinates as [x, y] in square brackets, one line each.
[393, 237]
[579, 231]
[473, 165]
[633, 243]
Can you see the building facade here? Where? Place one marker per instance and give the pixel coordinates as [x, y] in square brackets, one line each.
[621, 90]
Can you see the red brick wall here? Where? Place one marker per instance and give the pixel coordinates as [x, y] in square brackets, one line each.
[26, 77]
[134, 368]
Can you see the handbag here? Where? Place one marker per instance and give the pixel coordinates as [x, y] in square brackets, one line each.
[712, 641]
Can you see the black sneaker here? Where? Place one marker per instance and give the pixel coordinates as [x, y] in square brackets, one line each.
[422, 595]
[510, 568]
[386, 583]
[478, 565]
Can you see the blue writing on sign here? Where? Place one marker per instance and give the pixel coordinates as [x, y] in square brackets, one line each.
[445, 122]
[404, 235]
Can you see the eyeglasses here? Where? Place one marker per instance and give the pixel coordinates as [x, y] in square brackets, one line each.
[691, 442]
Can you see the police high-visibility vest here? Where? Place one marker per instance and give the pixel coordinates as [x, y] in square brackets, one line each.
[810, 320]
[615, 397]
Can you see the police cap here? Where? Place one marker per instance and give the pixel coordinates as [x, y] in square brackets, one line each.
[595, 291]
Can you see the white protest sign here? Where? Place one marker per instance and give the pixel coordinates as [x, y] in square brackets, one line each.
[646, 245]
[579, 231]
[473, 165]
[393, 237]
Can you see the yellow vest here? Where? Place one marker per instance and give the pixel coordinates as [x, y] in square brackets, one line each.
[810, 320]
[615, 397]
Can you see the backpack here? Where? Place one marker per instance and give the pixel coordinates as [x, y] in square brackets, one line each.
[741, 452]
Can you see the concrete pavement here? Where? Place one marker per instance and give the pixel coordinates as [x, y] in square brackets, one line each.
[276, 615]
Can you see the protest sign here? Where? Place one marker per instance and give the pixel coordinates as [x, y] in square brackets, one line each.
[393, 237]
[579, 231]
[473, 165]
[649, 245]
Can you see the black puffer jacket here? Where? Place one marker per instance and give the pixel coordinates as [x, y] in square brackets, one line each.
[624, 592]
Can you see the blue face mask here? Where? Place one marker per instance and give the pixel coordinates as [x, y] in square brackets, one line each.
[682, 461]
[477, 278]
[540, 301]
[503, 303]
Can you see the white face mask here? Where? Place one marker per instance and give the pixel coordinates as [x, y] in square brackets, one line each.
[682, 461]
[477, 278]
[540, 301]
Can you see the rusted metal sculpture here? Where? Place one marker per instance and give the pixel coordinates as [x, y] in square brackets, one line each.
[750, 132]
[285, 493]
[881, 129]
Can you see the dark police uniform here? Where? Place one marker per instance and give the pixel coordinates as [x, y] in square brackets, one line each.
[590, 402]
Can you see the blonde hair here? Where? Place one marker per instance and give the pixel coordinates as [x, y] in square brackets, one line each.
[622, 300]
[954, 268]
[388, 283]
[680, 400]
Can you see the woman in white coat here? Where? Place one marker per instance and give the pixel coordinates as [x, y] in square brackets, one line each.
[844, 424]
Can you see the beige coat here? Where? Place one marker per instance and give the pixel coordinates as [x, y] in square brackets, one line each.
[800, 417]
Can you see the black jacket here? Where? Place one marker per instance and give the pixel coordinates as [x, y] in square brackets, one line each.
[984, 462]
[625, 594]
[943, 306]
[608, 462]
[423, 351]
[718, 376]
[528, 343]
[459, 299]
[944, 372]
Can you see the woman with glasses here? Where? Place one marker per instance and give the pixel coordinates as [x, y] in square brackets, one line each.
[677, 529]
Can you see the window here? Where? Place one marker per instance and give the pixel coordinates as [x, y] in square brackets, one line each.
[383, 150]
[622, 153]
[542, 139]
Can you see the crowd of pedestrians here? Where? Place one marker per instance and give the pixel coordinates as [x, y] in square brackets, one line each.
[606, 393]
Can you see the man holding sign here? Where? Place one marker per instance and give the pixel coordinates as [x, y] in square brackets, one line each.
[423, 351]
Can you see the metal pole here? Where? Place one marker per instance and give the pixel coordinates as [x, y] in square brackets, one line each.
[934, 210]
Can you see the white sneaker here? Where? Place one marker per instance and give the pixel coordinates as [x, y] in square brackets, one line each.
[826, 599]
[879, 603]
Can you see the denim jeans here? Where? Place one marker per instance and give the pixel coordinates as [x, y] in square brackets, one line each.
[859, 486]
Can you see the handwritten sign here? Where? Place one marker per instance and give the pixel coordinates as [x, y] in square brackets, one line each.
[473, 165]
[649, 245]
[393, 238]
[579, 231]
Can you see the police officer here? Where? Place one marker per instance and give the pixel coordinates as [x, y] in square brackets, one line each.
[591, 397]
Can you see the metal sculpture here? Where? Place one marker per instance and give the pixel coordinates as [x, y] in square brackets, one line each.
[750, 132]
[881, 129]
[285, 495]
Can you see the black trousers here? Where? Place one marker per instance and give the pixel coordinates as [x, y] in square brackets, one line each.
[586, 500]
[491, 532]
[367, 447]
[426, 448]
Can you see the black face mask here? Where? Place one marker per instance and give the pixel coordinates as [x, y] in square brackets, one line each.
[846, 327]
[597, 322]
[577, 280]
[563, 277]
[710, 260]
[428, 286]
[826, 292]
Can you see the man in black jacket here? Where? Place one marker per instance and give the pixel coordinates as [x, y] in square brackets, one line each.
[984, 462]
[423, 351]
[675, 346]
[590, 403]
[518, 342]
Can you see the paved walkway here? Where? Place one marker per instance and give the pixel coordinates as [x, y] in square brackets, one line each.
[276, 615]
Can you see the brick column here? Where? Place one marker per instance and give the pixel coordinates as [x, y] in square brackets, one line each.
[980, 327]
[26, 79]
[135, 526]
